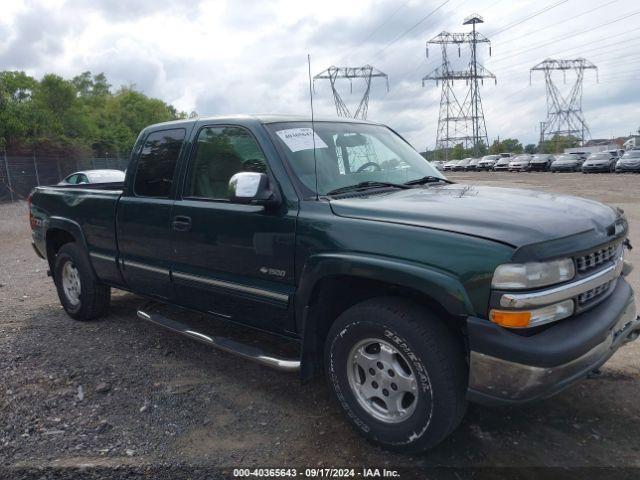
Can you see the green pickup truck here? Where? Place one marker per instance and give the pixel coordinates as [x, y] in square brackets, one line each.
[413, 294]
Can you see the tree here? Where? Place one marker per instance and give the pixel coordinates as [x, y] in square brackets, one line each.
[457, 152]
[512, 145]
[530, 149]
[558, 143]
[77, 115]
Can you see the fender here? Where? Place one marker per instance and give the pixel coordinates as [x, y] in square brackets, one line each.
[441, 286]
[68, 226]
[71, 227]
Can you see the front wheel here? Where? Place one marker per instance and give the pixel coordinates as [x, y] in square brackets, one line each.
[80, 293]
[397, 372]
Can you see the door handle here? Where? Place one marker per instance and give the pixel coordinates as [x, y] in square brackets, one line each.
[181, 223]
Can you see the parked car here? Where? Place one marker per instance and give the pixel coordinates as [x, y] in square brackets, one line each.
[600, 162]
[406, 290]
[438, 165]
[502, 164]
[461, 165]
[93, 176]
[487, 162]
[567, 163]
[448, 166]
[519, 163]
[506, 154]
[541, 162]
[630, 162]
[473, 165]
[581, 155]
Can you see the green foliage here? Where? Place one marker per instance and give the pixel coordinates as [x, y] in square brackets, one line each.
[511, 145]
[458, 152]
[558, 143]
[530, 149]
[71, 116]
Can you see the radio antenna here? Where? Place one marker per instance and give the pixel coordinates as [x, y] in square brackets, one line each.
[313, 127]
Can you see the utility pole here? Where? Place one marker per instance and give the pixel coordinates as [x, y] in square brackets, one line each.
[367, 72]
[461, 121]
[564, 113]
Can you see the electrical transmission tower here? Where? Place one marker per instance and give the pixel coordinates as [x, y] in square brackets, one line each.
[564, 114]
[461, 122]
[368, 73]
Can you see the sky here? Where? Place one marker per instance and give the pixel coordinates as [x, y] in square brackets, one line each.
[218, 57]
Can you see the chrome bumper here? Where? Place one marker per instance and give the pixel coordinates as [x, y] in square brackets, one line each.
[495, 381]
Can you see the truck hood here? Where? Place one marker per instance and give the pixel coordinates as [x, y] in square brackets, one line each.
[512, 216]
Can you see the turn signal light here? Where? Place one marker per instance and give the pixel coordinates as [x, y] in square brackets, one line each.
[510, 319]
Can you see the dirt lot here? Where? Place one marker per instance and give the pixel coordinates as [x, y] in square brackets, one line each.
[127, 397]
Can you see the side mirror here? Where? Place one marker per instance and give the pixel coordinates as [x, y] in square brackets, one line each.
[251, 188]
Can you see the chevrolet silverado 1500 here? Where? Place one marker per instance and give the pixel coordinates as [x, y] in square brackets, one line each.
[412, 293]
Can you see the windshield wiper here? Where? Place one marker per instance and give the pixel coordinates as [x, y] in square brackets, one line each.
[365, 186]
[427, 179]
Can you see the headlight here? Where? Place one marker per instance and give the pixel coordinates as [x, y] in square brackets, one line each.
[532, 275]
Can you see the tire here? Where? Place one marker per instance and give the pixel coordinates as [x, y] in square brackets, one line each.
[81, 295]
[416, 345]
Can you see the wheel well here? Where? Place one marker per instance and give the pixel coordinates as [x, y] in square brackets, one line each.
[335, 294]
[56, 238]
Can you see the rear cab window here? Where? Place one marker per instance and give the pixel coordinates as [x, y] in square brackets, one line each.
[156, 167]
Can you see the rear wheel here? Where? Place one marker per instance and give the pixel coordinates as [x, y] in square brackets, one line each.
[81, 295]
[397, 372]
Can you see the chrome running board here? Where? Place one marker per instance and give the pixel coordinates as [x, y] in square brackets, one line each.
[222, 343]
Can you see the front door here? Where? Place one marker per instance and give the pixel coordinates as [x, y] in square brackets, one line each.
[232, 260]
[144, 215]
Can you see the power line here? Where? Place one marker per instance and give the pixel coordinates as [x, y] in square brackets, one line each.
[562, 37]
[573, 52]
[528, 17]
[375, 30]
[562, 22]
[409, 30]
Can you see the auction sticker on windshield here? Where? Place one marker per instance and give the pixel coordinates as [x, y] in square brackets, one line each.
[298, 139]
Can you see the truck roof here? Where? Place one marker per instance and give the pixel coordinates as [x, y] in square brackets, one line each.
[261, 118]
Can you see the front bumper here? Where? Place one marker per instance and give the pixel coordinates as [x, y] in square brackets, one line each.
[506, 368]
[596, 168]
[538, 167]
[627, 168]
[564, 168]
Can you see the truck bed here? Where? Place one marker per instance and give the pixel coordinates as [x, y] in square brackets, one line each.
[87, 210]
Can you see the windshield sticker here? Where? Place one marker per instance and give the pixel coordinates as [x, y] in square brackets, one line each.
[298, 139]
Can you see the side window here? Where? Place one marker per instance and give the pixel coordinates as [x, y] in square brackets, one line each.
[72, 179]
[220, 153]
[82, 179]
[157, 163]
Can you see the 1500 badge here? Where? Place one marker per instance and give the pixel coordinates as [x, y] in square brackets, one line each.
[273, 271]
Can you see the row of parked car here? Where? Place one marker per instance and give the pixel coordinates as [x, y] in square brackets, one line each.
[612, 161]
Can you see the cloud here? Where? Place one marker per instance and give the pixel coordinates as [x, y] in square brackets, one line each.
[232, 56]
[35, 36]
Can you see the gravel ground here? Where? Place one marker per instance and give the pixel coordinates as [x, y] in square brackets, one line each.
[121, 398]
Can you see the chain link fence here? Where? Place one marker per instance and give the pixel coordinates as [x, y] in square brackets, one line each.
[20, 174]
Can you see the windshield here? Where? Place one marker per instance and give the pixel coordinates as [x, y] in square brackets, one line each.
[522, 158]
[540, 157]
[490, 157]
[348, 154]
[632, 154]
[567, 158]
[599, 156]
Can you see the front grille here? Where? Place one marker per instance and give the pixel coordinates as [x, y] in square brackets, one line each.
[596, 258]
[593, 293]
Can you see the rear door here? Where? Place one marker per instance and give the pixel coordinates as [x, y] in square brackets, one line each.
[232, 260]
[144, 214]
